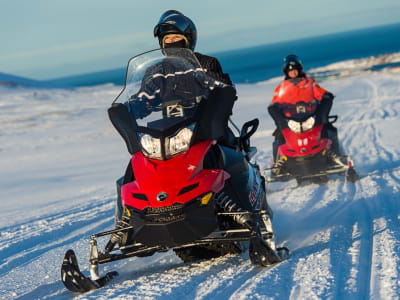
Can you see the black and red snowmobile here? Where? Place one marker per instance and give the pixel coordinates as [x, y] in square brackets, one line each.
[306, 149]
[189, 193]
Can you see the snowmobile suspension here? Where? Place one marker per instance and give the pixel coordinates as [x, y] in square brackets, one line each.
[227, 204]
[260, 251]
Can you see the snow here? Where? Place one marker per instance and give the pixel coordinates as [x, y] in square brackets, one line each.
[60, 157]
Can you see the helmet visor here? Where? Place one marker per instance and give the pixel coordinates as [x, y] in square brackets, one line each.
[174, 23]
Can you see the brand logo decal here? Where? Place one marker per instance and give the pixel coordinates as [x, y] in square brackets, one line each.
[162, 196]
[174, 111]
[301, 109]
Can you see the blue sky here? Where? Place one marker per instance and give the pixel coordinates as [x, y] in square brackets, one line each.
[45, 39]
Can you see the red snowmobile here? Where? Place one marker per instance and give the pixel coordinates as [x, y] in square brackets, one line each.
[189, 193]
[306, 149]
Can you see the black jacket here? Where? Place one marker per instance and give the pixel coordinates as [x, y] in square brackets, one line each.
[213, 68]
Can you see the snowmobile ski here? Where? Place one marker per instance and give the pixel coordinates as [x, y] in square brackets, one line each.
[75, 281]
[348, 170]
[261, 254]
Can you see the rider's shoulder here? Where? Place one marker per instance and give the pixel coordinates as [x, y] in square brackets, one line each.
[203, 57]
[210, 63]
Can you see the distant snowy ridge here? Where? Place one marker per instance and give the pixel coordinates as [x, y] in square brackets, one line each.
[15, 81]
[357, 66]
[335, 70]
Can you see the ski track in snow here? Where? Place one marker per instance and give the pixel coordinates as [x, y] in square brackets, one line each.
[344, 238]
[30, 236]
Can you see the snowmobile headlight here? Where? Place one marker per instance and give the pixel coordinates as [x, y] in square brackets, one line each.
[308, 124]
[180, 142]
[294, 126]
[151, 146]
[301, 126]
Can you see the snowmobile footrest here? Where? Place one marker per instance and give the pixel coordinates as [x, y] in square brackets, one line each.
[75, 281]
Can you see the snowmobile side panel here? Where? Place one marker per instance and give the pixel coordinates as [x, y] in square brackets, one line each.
[245, 175]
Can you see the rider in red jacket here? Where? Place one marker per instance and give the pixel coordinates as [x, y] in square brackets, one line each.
[296, 87]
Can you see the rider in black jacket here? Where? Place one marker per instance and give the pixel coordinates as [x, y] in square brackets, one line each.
[175, 30]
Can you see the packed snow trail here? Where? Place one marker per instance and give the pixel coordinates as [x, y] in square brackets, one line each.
[60, 158]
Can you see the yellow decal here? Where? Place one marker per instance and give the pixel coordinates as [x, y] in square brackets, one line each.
[206, 199]
[128, 213]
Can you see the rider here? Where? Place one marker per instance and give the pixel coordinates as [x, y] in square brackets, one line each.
[294, 79]
[175, 30]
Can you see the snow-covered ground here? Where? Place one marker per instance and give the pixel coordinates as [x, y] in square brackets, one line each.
[60, 156]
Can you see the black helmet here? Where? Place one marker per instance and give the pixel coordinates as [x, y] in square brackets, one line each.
[173, 21]
[292, 62]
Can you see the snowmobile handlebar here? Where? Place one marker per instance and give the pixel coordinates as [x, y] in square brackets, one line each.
[248, 129]
[334, 119]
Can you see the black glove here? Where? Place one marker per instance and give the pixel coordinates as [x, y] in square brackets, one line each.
[324, 108]
[139, 109]
[327, 96]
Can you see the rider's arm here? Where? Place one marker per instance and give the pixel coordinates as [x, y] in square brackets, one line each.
[275, 98]
[213, 68]
[275, 111]
[321, 94]
[224, 77]
[325, 104]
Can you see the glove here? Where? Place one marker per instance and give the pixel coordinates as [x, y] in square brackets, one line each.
[327, 96]
[324, 108]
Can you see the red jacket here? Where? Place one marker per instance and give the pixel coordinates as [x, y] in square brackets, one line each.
[291, 91]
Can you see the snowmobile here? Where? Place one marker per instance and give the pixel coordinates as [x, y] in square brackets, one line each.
[189, 193]
[307, 150]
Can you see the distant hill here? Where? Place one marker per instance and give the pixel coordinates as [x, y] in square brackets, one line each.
[116, 76]
[258, 63]
[16, 81]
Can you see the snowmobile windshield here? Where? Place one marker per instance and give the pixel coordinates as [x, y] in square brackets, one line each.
[164, 88]
[299, 111]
